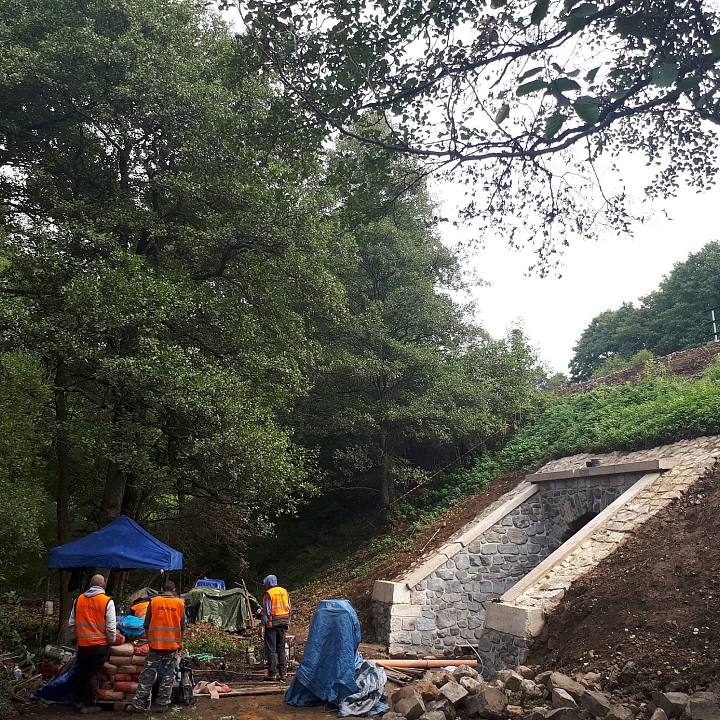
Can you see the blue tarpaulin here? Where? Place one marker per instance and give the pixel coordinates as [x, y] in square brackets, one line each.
[211, 583]
[121, 545]
[331, 661]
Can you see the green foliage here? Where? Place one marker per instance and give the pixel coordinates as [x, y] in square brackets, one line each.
[615, 363]
[674, 317]
[217, 643]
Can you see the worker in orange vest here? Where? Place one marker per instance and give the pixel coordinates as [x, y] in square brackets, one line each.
[275, 622]
[93, 620]
[139, 607]
[164, 627]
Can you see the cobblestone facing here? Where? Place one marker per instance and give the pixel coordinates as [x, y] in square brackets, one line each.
[447, 609]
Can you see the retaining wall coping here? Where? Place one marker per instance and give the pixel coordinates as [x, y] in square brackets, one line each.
[517, 620]
[640, 466]
[578, 538]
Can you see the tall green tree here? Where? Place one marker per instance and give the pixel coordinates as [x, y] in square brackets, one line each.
[674, 317]
[406, 374]
[162, 261]
[512, 93]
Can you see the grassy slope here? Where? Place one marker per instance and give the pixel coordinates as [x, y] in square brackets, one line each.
[345, 559]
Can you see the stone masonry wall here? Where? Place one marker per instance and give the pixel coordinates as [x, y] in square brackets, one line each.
[447, 609]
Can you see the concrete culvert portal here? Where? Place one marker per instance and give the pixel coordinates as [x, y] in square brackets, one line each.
[445, 602]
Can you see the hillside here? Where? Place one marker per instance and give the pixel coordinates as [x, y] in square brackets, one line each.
[655, 409]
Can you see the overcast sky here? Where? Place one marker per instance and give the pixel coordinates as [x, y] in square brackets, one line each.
[595, 276]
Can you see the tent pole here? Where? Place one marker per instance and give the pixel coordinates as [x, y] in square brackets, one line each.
[44, 607]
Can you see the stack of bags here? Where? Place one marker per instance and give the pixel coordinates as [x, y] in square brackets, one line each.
[120, 674]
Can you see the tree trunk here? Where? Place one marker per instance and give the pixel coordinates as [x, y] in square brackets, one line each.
[113, 494]
[386, 479]
[62, 491]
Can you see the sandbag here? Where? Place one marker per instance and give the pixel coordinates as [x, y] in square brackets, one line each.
[119, 639]
[138, 660]
[124, 650]
[122, 677]
[126, 687]
[109, 668]
[110, 694]
[143, 649]
[105, 685]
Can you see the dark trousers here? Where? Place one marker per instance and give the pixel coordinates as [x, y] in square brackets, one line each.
[89, 663]
[160, 666]
[275, 649]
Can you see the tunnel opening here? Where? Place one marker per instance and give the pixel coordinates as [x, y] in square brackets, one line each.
[577, 525]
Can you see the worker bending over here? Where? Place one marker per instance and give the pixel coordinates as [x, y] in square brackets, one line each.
[164, 627]
[93, 620]
[275, 622]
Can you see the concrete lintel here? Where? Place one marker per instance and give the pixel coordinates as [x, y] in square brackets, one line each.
[388, 592]
[641, 466]
[578, 538]
[402, 610]
[516, 620]
[456, 544]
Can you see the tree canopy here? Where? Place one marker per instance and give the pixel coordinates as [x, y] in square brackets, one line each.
[674, 317]
[525, 97]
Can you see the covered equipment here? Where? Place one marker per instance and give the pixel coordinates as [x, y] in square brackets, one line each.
[227, 609]
[332, 670]
[120, 545]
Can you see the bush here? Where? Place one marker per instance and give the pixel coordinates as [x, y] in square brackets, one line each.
[207, 638]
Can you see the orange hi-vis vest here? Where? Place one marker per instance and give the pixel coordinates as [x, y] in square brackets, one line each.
[279, 603]
[140, 609]
[90, 627]
[166, 616]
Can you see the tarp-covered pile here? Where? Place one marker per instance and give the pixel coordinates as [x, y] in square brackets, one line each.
[332, 670]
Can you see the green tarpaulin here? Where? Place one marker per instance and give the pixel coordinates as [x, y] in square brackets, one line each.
[227, 609]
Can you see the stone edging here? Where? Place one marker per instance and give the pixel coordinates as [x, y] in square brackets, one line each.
[616, 469]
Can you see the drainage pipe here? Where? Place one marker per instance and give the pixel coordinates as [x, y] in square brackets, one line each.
[424, 663]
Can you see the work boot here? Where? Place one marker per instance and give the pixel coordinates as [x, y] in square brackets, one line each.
[271, 677]
[135, 709]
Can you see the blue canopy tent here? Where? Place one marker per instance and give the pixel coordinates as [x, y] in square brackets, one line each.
[120, 545]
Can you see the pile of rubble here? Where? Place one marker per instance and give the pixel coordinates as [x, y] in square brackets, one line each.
[462, 693]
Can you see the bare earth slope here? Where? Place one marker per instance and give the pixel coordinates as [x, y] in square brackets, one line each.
[655, 602]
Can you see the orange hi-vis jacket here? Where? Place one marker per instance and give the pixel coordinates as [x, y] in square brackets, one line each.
[90, 626]
[166, 617]
[140, 609]
[279, 605]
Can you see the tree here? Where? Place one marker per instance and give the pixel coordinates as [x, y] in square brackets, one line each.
[162, 262]
[617, 363]
[524, 97]
[674, 317]
[406, 375]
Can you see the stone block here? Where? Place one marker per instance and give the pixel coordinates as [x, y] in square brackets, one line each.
[403, 693]
[471, 684]
[424, 623]
[703, 706]
[393, 716]
[673, 703]
[453, 692]
[562, 699]
[410, 708]
[659, 714]
[518, 537]
[443, 706]
[619, 712]
[433, 715]
[390, 592]
[525, 671]
[558, 681]
[531, 689]
[596, 703]
[563, 714]
[405, 610]
[489, 703]
[516, 620]
[513, 681]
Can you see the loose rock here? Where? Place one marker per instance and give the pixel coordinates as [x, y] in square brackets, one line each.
[596, 703]
[411, 707]
[407, 691]
[513, 681]
[563, 699]
[465, 671]
[428, 691]
[563, 714]
[525, 671]
[444, 707]
[563, 682]
[472, 685]
[490, 703]
[514, 710]
[673, 703]
[531, 689]
[433, 715]
[393, 716]
[659, 714]
[453, 692]
[619, 712]
[542, 678]
[704, 706]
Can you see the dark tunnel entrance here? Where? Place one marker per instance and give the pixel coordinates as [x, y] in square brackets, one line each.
[578, 524]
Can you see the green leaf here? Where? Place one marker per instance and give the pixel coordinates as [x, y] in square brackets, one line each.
[502, 114]
[530, 73]
[715, 43]
[590, 77]
[553, 125]
[587, 109]
[539, 11]
[570, 4]
[688, 83]
[530, 87]
[578, 18]
[563, 84]
[628, 25]
[498, 3]
[664, 74]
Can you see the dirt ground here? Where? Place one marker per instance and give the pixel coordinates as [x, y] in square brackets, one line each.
[263, 707]
[655, 603]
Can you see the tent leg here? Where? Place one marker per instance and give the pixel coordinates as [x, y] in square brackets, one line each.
[43, 612]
